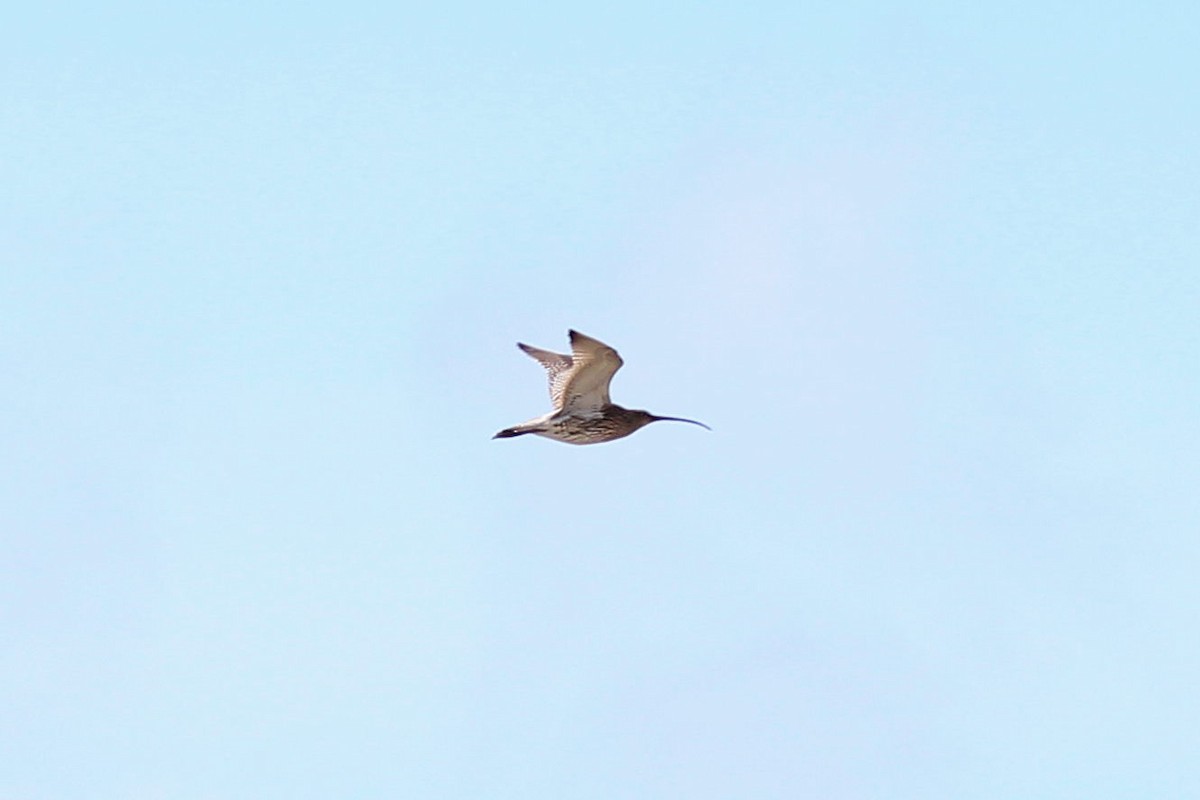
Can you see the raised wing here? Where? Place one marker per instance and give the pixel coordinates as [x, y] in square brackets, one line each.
[586, 385]
[558, 368]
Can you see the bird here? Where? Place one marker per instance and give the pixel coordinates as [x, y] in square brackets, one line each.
[583, 412]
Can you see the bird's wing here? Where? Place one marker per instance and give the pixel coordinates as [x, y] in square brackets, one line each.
[558, 369]
[586, 387]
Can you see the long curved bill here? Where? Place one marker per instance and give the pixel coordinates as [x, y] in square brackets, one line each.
[681, 419]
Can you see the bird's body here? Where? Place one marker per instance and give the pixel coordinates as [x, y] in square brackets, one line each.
[583, 412]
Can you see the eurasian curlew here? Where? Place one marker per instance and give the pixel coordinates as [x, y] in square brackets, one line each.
[583, 413]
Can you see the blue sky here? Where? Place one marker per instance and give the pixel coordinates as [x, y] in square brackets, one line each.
[930, 273]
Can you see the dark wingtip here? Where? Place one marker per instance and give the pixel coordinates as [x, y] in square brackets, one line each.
[507, 433]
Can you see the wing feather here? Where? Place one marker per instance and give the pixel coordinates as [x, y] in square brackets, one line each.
[585, 389]
[558, 369]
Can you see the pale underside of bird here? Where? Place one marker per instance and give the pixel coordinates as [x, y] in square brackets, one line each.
[583, 412]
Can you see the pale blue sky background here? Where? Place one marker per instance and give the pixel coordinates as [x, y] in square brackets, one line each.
[931, 272]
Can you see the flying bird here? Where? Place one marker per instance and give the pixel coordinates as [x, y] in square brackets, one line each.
[583, 412]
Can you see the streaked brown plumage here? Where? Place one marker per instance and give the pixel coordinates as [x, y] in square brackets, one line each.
[583, 412]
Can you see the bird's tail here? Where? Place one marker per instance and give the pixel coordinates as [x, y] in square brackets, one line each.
[529, 426]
